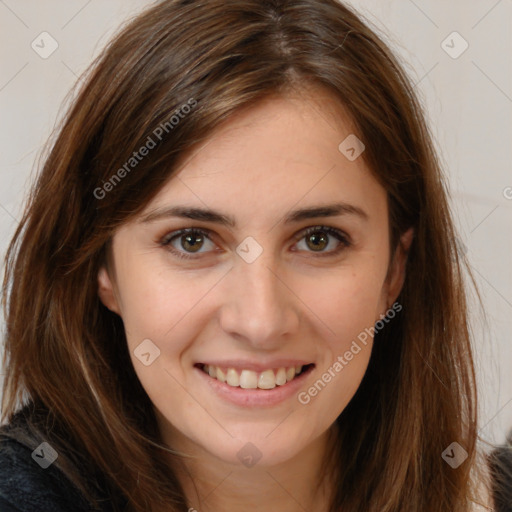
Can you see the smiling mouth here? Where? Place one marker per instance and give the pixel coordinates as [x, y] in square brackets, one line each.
[248, 379]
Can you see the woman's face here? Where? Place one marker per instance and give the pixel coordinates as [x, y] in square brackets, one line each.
[285, 266]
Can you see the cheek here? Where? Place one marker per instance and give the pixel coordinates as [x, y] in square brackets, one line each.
[348, 308]
[162, 306]
[157, 299]
[349, 303]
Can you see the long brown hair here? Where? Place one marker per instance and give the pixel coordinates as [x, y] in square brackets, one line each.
[68, 353]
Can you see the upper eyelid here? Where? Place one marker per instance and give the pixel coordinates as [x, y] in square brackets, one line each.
[318, 227]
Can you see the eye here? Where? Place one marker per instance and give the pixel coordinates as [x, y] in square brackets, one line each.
[186, 242]
[318, 238]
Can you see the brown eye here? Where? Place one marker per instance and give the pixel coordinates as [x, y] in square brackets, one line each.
[324, 240]
[317, 241]
[191, 243]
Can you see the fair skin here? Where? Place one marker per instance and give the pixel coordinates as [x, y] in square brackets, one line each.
[304, 298]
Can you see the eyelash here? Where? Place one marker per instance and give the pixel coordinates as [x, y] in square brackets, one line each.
[336, 233]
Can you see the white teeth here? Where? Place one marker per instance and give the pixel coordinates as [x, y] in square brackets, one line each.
[281, 377]
[248, 379]
[267, 380]
[221, 375]
[232, 378]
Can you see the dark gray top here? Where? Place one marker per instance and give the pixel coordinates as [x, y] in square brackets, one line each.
[30, 482]
[29, 479]
[26, 487]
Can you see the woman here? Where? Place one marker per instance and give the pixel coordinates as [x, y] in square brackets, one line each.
[236, 282]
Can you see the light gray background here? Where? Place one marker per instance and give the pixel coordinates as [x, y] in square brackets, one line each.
[468, 102]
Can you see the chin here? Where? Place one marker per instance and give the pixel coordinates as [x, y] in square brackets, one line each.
[258, 445]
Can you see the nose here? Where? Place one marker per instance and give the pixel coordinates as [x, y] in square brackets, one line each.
[258, 305]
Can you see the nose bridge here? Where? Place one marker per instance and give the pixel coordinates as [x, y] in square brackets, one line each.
[259, 306]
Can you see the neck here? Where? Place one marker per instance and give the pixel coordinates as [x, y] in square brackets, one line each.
[303, 482]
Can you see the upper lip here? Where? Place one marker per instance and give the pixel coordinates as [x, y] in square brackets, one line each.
[241, 364]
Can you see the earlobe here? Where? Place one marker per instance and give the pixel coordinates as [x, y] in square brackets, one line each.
[406, 239]
[106, 290]
[397, 277]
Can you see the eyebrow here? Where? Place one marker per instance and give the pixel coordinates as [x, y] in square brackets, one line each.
[207, 215]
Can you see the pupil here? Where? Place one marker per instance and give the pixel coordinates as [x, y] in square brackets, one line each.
[319, 241]
[190, 240]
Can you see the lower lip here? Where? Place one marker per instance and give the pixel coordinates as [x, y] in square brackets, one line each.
[255, 397]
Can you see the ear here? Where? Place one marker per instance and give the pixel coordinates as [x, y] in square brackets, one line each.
[106, 290]
[396, 275]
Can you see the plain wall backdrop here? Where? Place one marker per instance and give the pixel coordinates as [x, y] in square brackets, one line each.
[459, 55]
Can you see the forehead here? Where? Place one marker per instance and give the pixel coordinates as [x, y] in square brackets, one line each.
[279, 152]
